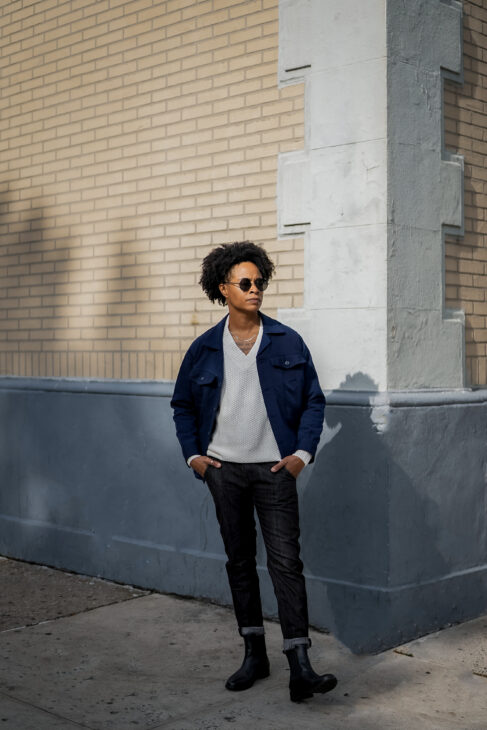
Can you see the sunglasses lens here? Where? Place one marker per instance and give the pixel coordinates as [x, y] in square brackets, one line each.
[261, 284]
[245, 284]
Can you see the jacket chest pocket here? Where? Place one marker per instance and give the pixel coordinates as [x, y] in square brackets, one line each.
[288, 377]
[203, 384]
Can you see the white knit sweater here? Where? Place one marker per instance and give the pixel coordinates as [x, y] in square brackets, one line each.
[243, 432]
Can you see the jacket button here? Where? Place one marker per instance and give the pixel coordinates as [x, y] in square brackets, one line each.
[202, 377]
[286, 362]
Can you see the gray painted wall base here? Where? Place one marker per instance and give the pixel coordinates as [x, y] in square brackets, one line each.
[394, 529]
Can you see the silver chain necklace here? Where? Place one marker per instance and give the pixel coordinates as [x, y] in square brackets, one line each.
[241, 339]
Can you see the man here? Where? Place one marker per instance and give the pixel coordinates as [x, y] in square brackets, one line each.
[249, 410]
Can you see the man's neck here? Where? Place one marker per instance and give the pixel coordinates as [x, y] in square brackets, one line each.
[243, 322]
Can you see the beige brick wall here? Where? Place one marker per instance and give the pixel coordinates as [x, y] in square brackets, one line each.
[134, 136]
[466, 132]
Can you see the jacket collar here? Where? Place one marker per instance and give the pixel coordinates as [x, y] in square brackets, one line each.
[214, 336]
[271, 327]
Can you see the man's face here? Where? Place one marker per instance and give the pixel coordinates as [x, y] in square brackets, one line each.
[238, 300]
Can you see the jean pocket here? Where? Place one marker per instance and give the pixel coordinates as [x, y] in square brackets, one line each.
[288, 473]
[210, 473]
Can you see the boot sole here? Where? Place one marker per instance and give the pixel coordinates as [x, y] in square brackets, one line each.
[298, 693]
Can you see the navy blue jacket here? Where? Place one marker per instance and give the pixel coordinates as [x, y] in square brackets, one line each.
[292, 394]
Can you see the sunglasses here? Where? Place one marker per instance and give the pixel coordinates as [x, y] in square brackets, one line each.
[245, 284]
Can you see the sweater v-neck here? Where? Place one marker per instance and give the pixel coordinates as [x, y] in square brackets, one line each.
[231, 348]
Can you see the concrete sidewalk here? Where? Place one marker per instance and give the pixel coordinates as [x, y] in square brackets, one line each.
[82, 652]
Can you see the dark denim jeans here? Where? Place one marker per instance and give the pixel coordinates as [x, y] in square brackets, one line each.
[236, 490]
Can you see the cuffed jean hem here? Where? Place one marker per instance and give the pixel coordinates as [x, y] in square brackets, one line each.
[292, 643]
[246, 630]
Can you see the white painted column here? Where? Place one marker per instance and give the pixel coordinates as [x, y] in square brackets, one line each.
[341, 192]
[425, 195]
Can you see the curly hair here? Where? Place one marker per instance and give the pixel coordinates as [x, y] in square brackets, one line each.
[221, 259]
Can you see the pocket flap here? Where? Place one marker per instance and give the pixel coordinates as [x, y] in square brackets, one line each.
[203, 377]
[288, 361]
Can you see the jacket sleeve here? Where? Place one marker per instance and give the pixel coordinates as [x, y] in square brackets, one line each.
[312, 416]
[184, 410]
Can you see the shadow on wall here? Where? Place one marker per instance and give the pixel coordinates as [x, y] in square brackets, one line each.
[38, 282]
[354, 550]
[68, 303]
[21, 291]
